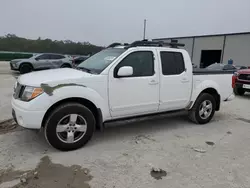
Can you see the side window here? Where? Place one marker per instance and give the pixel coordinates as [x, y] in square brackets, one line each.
[55, 56]
[142, 63]
[43, 56]
[172, 63]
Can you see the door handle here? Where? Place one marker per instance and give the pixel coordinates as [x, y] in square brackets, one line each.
[184, 80]
[153, 82]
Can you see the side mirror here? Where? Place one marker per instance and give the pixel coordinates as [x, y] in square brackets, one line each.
[37, 59]
[125, 71]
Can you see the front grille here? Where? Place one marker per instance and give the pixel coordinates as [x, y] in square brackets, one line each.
[18, 91]
[244, 77]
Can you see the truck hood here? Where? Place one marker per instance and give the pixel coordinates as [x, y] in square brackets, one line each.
[17, 60]
[53, 76]
[244, 71]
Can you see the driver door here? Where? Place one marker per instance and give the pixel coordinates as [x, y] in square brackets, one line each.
[136, 94]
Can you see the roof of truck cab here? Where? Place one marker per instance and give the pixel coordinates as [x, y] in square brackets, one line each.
[153, 47]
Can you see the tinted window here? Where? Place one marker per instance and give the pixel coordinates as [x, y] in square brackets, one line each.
[172, 63]
[56, 56]
[43, 56]
[142, 63]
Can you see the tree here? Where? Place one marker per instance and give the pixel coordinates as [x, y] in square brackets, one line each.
[11, 42]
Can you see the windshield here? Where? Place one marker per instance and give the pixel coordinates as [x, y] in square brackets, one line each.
[98, 62]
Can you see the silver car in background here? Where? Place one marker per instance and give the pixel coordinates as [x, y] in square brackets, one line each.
[41, 62]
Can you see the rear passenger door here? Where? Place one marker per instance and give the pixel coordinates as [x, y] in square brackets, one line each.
[176, 81]
[56, 60]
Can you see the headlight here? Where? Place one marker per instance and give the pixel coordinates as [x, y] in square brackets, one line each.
[30, 93]
[14, 64]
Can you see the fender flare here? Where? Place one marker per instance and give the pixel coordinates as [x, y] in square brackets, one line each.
[25, 62]
[62, 92]
[200, 87]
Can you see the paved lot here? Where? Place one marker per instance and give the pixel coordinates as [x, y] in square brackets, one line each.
[123, 155]
[7, 80]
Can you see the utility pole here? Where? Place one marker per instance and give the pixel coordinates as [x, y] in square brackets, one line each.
[144, 31]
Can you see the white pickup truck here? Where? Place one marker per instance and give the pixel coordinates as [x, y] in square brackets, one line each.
[119, 82]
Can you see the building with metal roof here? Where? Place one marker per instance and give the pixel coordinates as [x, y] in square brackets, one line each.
[221, 48]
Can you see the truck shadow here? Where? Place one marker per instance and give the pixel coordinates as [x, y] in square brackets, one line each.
[138, 129]
[143, 126]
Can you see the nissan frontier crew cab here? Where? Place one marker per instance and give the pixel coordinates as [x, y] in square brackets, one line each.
[141, 78]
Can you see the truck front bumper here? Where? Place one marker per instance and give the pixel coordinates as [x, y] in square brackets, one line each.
[25, 117]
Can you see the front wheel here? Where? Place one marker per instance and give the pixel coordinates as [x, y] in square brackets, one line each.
[25, 68]
[203, 110]
[70, 126]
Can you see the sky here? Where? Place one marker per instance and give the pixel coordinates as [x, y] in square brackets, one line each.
[103, 22]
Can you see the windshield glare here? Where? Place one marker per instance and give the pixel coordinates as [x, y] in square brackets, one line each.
[98, 62]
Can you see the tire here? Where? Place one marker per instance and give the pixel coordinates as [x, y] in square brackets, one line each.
[194, 113]
[65, 66]
[60, 139]
[25, 68]
[239, 91]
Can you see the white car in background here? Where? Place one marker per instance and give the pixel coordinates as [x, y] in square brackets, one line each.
[41, 61]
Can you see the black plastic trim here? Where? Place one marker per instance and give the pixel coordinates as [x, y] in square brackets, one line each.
[146, 115]
[207, 72]
[99, 122]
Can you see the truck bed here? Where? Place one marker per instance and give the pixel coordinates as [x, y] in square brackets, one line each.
[198, 71]
[223, 80]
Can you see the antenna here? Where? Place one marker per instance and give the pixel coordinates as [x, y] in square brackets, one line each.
[144, 29]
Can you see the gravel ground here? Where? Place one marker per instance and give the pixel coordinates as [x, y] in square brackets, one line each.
[7, 80]
[181, 153]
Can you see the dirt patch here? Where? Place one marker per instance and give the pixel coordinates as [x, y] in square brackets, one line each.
[143, 139]
[158, 173]
[49, 175]
[7, 126]
[210, 143]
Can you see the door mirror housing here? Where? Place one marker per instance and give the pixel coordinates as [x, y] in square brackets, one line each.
[125, 71]
[37, 58]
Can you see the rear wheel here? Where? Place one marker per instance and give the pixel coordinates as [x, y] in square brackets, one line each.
[203, 110]
[239, 91]
[69, 127]
[25, 68]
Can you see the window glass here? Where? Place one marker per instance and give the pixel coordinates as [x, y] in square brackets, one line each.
[43, 56]
[56, 56]
[98, 62]
[142, 63]
[172, 63]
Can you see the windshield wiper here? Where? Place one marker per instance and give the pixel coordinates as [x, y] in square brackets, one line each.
[86, 70]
